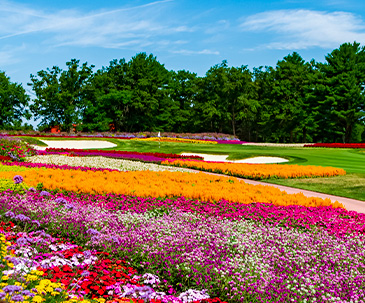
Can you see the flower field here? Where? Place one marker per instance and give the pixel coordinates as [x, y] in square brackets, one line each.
[259, 171]
[98, 229]
[161, 184]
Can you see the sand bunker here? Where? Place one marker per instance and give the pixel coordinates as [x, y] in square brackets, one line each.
[254, 160]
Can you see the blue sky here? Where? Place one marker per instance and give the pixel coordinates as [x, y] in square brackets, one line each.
[182, 34]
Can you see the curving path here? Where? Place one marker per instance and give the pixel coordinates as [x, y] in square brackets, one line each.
[350, 204]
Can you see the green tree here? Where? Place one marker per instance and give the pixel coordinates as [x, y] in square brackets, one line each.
[13, 103]
[108, 98]
[344, 74]
[290, 111]
[183, 89]
[60, 94]
[151, 107]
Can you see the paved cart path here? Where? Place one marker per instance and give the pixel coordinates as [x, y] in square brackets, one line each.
[350, 204]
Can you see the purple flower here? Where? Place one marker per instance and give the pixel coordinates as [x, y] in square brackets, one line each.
[60, 200]
[36, 222]
[32, 189]
[85, 273]
[17, 298]
[44, 193]
[92, 232]
[21, 217]
[18, 179]
[10, 214]
[12, 288]
[70, 206]
[21, 241]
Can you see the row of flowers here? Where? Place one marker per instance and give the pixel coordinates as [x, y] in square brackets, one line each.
[37, 267]
[218, 138]
[337, 145]
[178, 140]
[241, 253]
[145, 156]
[162, 184]
[259, 171]
[93, 163]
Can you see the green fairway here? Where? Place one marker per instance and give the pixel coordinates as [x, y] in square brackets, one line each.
[351, 160]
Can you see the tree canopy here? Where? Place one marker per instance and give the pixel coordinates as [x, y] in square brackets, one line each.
[294, 101]
[13, 103]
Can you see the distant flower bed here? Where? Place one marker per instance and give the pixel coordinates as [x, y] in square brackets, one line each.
[217, 137]
[130, 155]
[179, 140]
[337, 145]
[259, 171]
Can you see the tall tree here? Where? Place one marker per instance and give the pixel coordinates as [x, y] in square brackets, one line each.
[108, 98]
[183, 89]
[60, 94]
[345, 86]
[150, 108]
[289, 93]
[13, 102]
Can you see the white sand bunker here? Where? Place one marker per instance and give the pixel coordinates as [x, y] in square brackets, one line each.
[254, 160]
[79, 144]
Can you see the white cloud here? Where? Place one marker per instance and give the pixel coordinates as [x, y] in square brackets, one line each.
[139, 25]
[191, 52]
[300, 29]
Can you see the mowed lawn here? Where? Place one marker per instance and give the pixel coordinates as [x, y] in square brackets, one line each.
[351, 185]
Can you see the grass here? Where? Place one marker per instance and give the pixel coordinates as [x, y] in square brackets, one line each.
[352, 160]
[349, 186]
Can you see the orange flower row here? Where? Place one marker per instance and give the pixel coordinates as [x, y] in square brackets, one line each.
[260, 171]
[164, 184]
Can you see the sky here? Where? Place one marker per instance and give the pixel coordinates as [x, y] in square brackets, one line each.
[182, 34]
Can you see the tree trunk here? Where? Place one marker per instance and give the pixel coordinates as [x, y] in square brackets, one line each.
[233, 121]
[348, 133]
[304, 135]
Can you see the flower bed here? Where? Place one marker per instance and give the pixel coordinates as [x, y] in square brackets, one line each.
[148, 157]
[65, 272]
[259, 171]
[178, 140]
[14, 149]
[218, 138]
[97, 163]
[162, 184]
[337, 145]
[241, 253]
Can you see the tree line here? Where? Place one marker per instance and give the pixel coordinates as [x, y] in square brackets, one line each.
[295, 101]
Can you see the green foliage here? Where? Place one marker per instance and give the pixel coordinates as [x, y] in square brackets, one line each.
[13, 103]
[344, 87]
[60, 94]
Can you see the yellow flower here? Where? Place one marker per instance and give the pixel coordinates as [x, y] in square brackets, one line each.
[5, 278]
[37, 299]
[31, 278]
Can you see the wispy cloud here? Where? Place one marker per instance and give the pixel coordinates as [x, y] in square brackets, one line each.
[193, 52]
[138, 25]
[301, 29]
